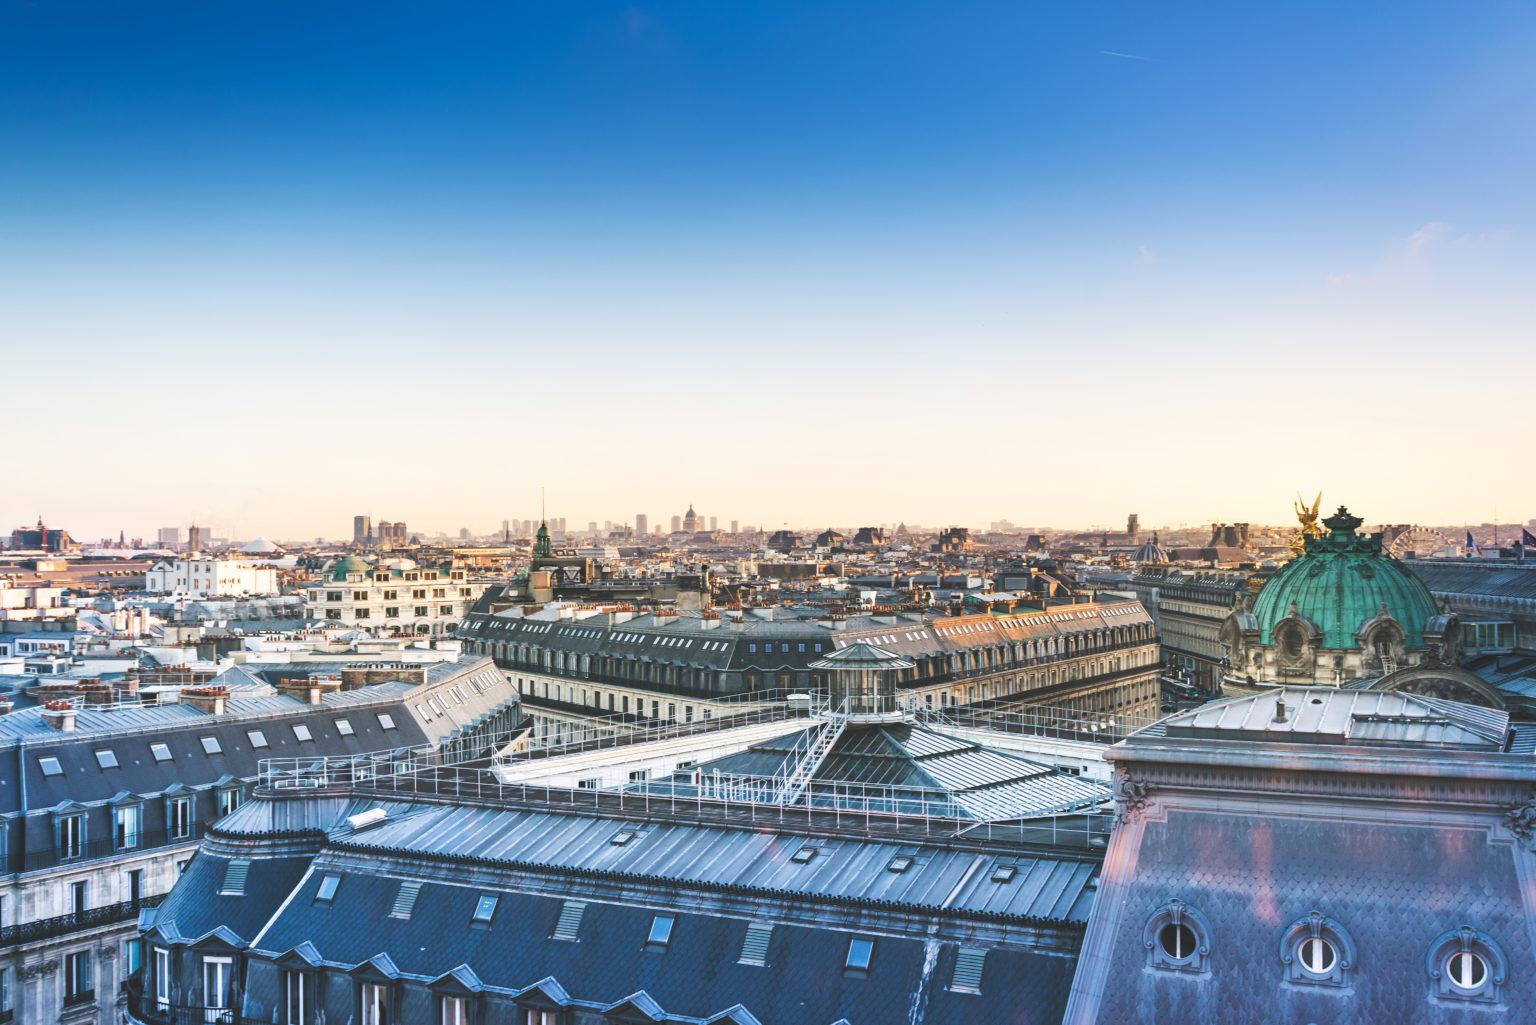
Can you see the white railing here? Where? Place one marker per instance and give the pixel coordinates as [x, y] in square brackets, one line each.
[755, 800]
[1038, 720]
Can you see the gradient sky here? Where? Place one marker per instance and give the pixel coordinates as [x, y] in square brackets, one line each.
[271, 264]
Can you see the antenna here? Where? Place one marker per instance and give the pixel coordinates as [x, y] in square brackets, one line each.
[543, 516]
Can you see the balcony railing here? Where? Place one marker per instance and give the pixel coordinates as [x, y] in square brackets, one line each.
[62, 925]
[145, 1009]
[104, 847]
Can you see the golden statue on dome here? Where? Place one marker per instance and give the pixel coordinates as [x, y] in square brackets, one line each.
[1308, 523]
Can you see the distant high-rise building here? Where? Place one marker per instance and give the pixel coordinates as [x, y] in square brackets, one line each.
[362, 529]
[527, 528]
[592, 526]
[714, 523]
[733, 526]
[561, 526]
[677, 524]
[169, 537]
[642, 524]
[463, 533]
[198, 538]
[1133, 527]
[656, 530]
[506, 531]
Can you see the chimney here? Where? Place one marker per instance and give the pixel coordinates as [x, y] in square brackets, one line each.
[60, 715]
[304, 690]
[211, 700]
[1280, 709]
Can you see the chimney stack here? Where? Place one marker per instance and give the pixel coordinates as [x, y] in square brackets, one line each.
[60, 715]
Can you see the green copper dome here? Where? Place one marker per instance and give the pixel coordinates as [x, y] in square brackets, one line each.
[1341, 583]
[351, 564]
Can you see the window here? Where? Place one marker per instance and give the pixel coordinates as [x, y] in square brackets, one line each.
[803, 855]
[127, 825]
[298, 997]
[455, 1011]
[420, 610]
[542, 1016]
[639, 775]
[5, 993]
[1004, 873]
[179, 818]
[106, 759]
[363, 613]
[385, 721]
[392, 612]
[375, 1004]
[1316, 951]
[79, 978]
[660, 934]
[860, 951]
[218, 982]
[569, 923]
[161, 752]
[257, 738]
[229, 800]
[754, 947]
[162, 977]
[333, 596]
[485, 907]
[133, 960]
[1177, 938]
[359, 595]
[899, 864]
[969, 965]
[344, 727]
[391, 595]
[1466, 965]
[71, 836]
[50, 766]
[235, 872]
[327, 891]
[79, 897]
[405, 898]
[211, 746]
[301, 731]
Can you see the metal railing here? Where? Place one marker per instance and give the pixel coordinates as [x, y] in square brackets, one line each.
[870, 809]
[597, 734]
[1037, 720]
[144, 1008]
[38, 858]
[62, 925]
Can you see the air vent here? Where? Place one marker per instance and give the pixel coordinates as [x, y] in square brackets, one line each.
[234, 877]
[570, 920]
[754, 949]
[405, 900]
[968, 966]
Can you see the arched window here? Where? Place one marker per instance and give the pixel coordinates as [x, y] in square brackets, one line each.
[1178, 939]
[1465, 964]
[1317, 951]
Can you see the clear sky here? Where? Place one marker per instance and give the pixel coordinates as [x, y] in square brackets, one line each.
[271, 264]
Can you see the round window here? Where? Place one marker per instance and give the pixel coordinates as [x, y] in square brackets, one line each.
[1177, 941]
[1466, 970]
[1316, 955]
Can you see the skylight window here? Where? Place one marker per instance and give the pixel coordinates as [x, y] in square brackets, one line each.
[569, 923]
[301, 731]
[622, 837]
[405, 899]
[211, 745]
[385, 721]
[1004, 873]
[106, 759]
[899, 864]
[661, 932]
[754, 948]
[485, 907]
[327, 891]
[803, 855]
[860, 951]
[344, 727]
[162, 752]
[257, 738]
[968, 968]
[234, 877]
[50, 766]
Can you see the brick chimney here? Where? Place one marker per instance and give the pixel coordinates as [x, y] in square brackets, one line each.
[60, 715]
[211, 700]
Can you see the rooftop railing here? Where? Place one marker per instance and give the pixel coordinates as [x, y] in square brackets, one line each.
[1037, 720]
[872, 810]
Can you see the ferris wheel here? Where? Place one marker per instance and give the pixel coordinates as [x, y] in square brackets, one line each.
[1417, 540]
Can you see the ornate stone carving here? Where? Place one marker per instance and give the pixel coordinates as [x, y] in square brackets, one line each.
[1131, 796]
[37, 969]
[1521, 821]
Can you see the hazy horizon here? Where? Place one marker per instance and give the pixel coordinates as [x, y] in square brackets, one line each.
[269, 267]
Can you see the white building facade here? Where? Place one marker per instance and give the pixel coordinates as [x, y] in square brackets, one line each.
[208, 577]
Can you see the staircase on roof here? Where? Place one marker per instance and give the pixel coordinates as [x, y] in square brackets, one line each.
[821, 742]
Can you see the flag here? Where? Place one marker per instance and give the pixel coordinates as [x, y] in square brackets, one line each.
[1472, 545]
[1527, 538]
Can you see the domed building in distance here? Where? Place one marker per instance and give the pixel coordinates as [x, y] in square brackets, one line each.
[1341, 612]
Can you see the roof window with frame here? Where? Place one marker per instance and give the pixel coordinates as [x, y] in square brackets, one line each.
[660, 935]
[162, 752]
[861, 952]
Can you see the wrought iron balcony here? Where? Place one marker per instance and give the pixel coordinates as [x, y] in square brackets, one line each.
[62, 925]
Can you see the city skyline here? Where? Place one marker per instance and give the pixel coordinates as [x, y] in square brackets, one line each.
[987, 262]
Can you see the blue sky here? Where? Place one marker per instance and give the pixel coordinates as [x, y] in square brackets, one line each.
[1186, 259]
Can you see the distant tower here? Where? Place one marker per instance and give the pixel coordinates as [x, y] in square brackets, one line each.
[733, 526]
[506, 531]
[677, 524]
[362, 529]
[1133, 527]
[642, 524]
[714, 524]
